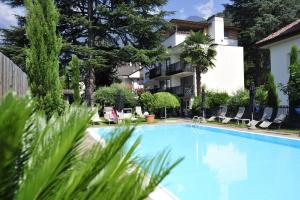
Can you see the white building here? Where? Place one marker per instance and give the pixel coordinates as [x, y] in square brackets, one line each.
[172, 75]
[280, 44]
[131, 75]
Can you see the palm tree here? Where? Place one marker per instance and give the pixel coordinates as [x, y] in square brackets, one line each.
[43, 159]
[199, 51]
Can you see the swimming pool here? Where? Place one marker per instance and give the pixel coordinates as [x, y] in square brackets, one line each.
[223, 164]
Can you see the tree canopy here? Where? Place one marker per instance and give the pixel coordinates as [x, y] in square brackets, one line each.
[165, 100]
[257, 19]
[103, 34]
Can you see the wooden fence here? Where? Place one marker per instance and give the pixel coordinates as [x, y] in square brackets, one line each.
[12, 78]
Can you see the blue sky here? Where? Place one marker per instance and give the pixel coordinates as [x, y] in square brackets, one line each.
[202, 8]
[183, 8]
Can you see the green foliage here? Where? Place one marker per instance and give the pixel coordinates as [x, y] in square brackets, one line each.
[14, 114]
[165, 100]
[294, 55]
[108, 95]
[148, 101]
[75, 78]
[199, 51]
[43, 159]
[261, 96]
[197, 103]
[118, 31]
[272, 97]
[42, 64]
[216, 99]
[293, 86]
[258, 19]
[239, 98]
[213, 99]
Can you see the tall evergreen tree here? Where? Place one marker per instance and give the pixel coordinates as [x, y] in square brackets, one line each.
[75, 78]
[293, 86]
[42, 64]
[258, 19]
[272, 98]
[112, 31]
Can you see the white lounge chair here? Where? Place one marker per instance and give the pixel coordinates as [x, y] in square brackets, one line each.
[96, 119]
[279, 119]
[139, 112]
[221, 114]
[268, 111]
[238, 116]
[110, 117]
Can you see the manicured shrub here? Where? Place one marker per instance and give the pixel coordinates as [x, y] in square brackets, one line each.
[147, 101]
[212, 100]
[107, 95]
[197, 103]
[261, 96]
[165, 100]
[215, 99]
[272, 97]
[239, 98]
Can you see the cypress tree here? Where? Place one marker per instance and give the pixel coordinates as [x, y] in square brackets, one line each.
[75, 78]
[272, 98]
[42, 64]
[293, 87]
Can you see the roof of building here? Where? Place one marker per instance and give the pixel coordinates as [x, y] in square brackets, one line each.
[284, 33]
[127, 69]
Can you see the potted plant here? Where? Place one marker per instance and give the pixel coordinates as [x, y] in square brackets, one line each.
[148, 102]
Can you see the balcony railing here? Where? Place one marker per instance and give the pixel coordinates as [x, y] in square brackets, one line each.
[155, 72]
[181, 91]
[178, 67]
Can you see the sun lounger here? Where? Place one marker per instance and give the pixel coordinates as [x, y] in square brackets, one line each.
[107, 109]
[138, 111]
[221, 114]
[238, 116]
[266, 117]
[96, 119]
[127, 113]
[279, 119]
[111, 116]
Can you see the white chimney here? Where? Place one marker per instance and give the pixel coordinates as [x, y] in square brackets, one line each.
[216, 29]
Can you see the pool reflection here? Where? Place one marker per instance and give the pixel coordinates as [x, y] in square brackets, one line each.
[228, 164]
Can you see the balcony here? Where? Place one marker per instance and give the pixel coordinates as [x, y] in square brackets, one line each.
[181, 91]
[155, 72]
[178, 67]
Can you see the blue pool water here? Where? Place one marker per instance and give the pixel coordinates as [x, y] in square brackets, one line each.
[222, 164]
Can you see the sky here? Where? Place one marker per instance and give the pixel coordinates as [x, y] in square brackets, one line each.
[183, 8]
[201, 8]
